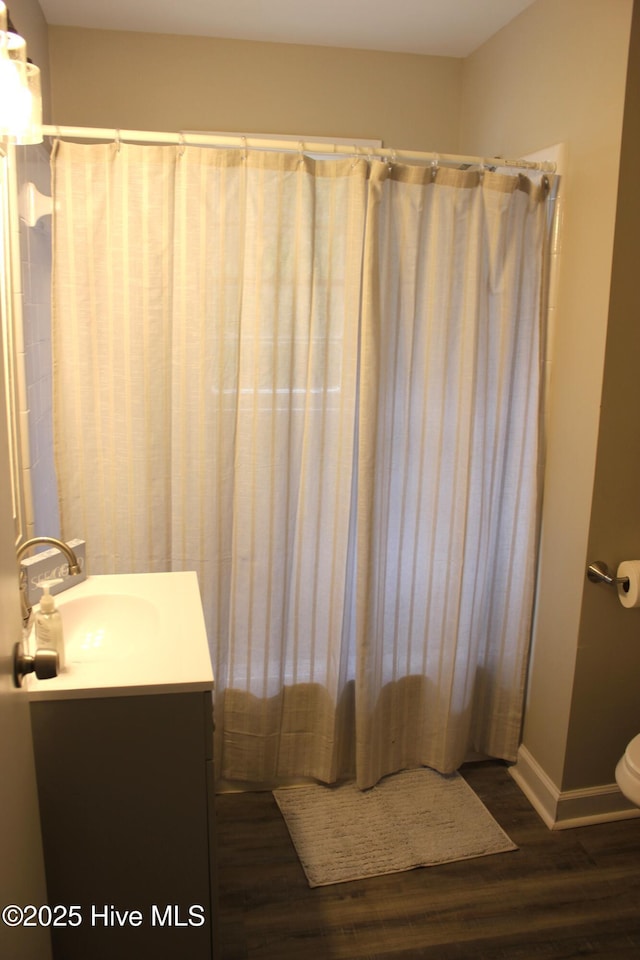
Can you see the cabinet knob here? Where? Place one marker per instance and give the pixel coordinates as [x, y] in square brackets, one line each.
[44, 663]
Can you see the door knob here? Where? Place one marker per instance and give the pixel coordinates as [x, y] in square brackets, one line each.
[44, 664]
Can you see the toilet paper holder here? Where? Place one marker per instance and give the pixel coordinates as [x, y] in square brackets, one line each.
[598, 572]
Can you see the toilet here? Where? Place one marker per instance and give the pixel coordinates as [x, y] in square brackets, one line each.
[628, 772]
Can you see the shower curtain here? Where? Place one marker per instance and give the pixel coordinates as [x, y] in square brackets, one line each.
[316, 383]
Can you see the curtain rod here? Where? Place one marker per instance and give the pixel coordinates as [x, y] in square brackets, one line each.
[288, 146]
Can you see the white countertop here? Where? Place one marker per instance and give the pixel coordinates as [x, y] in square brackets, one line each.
[158, 644]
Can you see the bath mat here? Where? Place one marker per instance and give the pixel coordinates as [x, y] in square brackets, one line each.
[416, 818]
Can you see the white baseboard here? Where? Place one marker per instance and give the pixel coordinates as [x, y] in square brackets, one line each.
[561, 810]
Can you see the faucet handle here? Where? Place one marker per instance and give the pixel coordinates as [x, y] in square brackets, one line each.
[44, 664]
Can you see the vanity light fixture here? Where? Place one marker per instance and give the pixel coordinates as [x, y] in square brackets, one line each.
[20, 94]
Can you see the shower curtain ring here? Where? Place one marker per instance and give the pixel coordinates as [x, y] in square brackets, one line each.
[117, 141]
[181, 144]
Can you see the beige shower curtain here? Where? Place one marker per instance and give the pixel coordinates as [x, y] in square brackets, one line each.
[447, 467]
[317, 384]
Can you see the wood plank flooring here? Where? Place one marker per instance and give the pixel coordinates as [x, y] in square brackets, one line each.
[563, 894]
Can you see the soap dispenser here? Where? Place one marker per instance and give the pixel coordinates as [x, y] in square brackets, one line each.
[49, 635]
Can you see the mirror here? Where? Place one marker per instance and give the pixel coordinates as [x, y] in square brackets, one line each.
[11, 319]
[25, 275]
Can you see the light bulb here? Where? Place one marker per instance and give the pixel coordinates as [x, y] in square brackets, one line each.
[15, 105]
[20, 102]
[20, 96]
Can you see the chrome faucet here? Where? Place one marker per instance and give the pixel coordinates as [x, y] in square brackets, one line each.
[74, 566]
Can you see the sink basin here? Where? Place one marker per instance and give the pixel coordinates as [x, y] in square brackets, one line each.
[96, 628]
[130, 634]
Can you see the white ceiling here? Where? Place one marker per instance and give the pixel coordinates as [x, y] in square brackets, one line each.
[451, 28]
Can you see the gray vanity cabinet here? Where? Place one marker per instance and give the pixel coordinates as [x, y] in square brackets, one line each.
[125, 786]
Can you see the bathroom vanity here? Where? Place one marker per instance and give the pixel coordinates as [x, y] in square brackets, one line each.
[123, 743]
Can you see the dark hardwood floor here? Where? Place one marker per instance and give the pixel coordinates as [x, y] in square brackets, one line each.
[563, 894]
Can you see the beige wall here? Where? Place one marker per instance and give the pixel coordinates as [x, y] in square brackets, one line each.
[557, 74]
[606, 697]
[140, 81]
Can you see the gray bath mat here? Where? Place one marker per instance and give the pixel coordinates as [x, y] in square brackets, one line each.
[417, 818]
